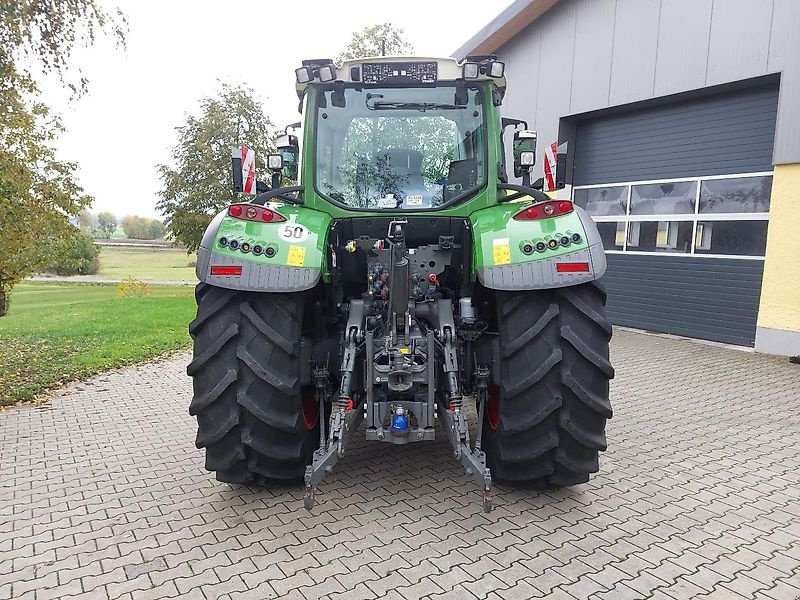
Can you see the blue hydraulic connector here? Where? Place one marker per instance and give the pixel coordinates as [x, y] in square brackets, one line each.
[400, 422]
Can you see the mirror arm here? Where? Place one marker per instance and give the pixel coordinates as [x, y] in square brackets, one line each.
[522, 190]
[281, 193]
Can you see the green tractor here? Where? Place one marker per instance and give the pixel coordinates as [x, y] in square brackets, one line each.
[401, 281]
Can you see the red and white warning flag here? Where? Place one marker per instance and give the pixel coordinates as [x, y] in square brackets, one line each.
[550, 153]
[248, 170]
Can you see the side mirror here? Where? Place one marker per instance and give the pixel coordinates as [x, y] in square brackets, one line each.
[289, 150]
[561, 170]
[524, 154]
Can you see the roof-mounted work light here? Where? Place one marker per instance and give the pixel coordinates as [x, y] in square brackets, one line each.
[471, 70]
[327, 73]
[304, 74]
[496, 69]
[475, 66]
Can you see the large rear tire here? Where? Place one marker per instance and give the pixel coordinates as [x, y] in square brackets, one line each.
[254, 419]
[545, 419]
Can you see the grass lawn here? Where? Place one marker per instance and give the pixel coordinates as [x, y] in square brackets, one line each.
[159, 264]
[59, 332]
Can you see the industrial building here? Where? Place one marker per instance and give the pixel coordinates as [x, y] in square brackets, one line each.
[681, 120]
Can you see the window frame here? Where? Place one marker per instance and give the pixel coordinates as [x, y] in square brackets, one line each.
[696, 217]
[465, 196]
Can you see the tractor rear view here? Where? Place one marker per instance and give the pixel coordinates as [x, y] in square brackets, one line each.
[401, 282]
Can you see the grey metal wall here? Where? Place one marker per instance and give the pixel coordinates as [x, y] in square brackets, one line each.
[586, 55]
[712, 299]
[715, 135]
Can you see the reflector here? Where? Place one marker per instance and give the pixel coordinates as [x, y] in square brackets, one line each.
[226, 270]
[581, 267]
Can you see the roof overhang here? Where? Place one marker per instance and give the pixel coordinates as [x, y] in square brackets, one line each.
[504, 26]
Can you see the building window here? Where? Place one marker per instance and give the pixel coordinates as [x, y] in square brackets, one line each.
[613, 234]
[660, 236]
[739, 238]
[740, 195]
[720, 216]
[674, 198]
[603, 201]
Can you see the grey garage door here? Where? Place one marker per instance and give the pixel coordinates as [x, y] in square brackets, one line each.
[680, 192]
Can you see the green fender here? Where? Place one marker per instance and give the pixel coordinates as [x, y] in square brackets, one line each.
[524, 255]
[292, 256]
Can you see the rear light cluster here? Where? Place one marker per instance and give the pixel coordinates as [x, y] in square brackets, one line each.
[559, 241]
[544, 210]
[257, 249]
[251, 212]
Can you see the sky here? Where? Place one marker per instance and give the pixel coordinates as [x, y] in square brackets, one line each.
[178, 51]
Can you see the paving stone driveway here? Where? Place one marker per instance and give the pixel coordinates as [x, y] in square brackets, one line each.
[103, 495]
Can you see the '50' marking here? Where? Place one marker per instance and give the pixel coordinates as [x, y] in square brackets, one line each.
[293, 232]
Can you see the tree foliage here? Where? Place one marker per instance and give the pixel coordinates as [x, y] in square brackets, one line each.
[46, 32]
[139, 228]
[198, 184]
[381, 39]
[106, 223]
[74, 255]
[38, 193]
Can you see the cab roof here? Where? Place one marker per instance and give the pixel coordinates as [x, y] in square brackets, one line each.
[406, 68]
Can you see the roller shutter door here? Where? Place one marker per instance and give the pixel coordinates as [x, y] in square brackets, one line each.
[714, 298]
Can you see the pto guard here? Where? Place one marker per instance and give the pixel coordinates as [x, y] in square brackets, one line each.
[296, 246]
[502, 262]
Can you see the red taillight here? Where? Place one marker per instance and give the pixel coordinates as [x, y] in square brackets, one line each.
[544, 210]
[578, 267]
[226, 270]
[251, 212]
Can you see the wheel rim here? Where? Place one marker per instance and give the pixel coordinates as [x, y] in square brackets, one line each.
[310, 410]
[493, 406]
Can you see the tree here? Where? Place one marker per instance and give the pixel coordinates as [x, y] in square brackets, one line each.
[74, 255]
[198, 185]
[382, 39]
[38, 194]
[139, 228]
[107, 223]
[86, 220]
[155, 229]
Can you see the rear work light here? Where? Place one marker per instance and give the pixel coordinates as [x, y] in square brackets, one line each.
[544, 210]
[251, 212]
[226, 270]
